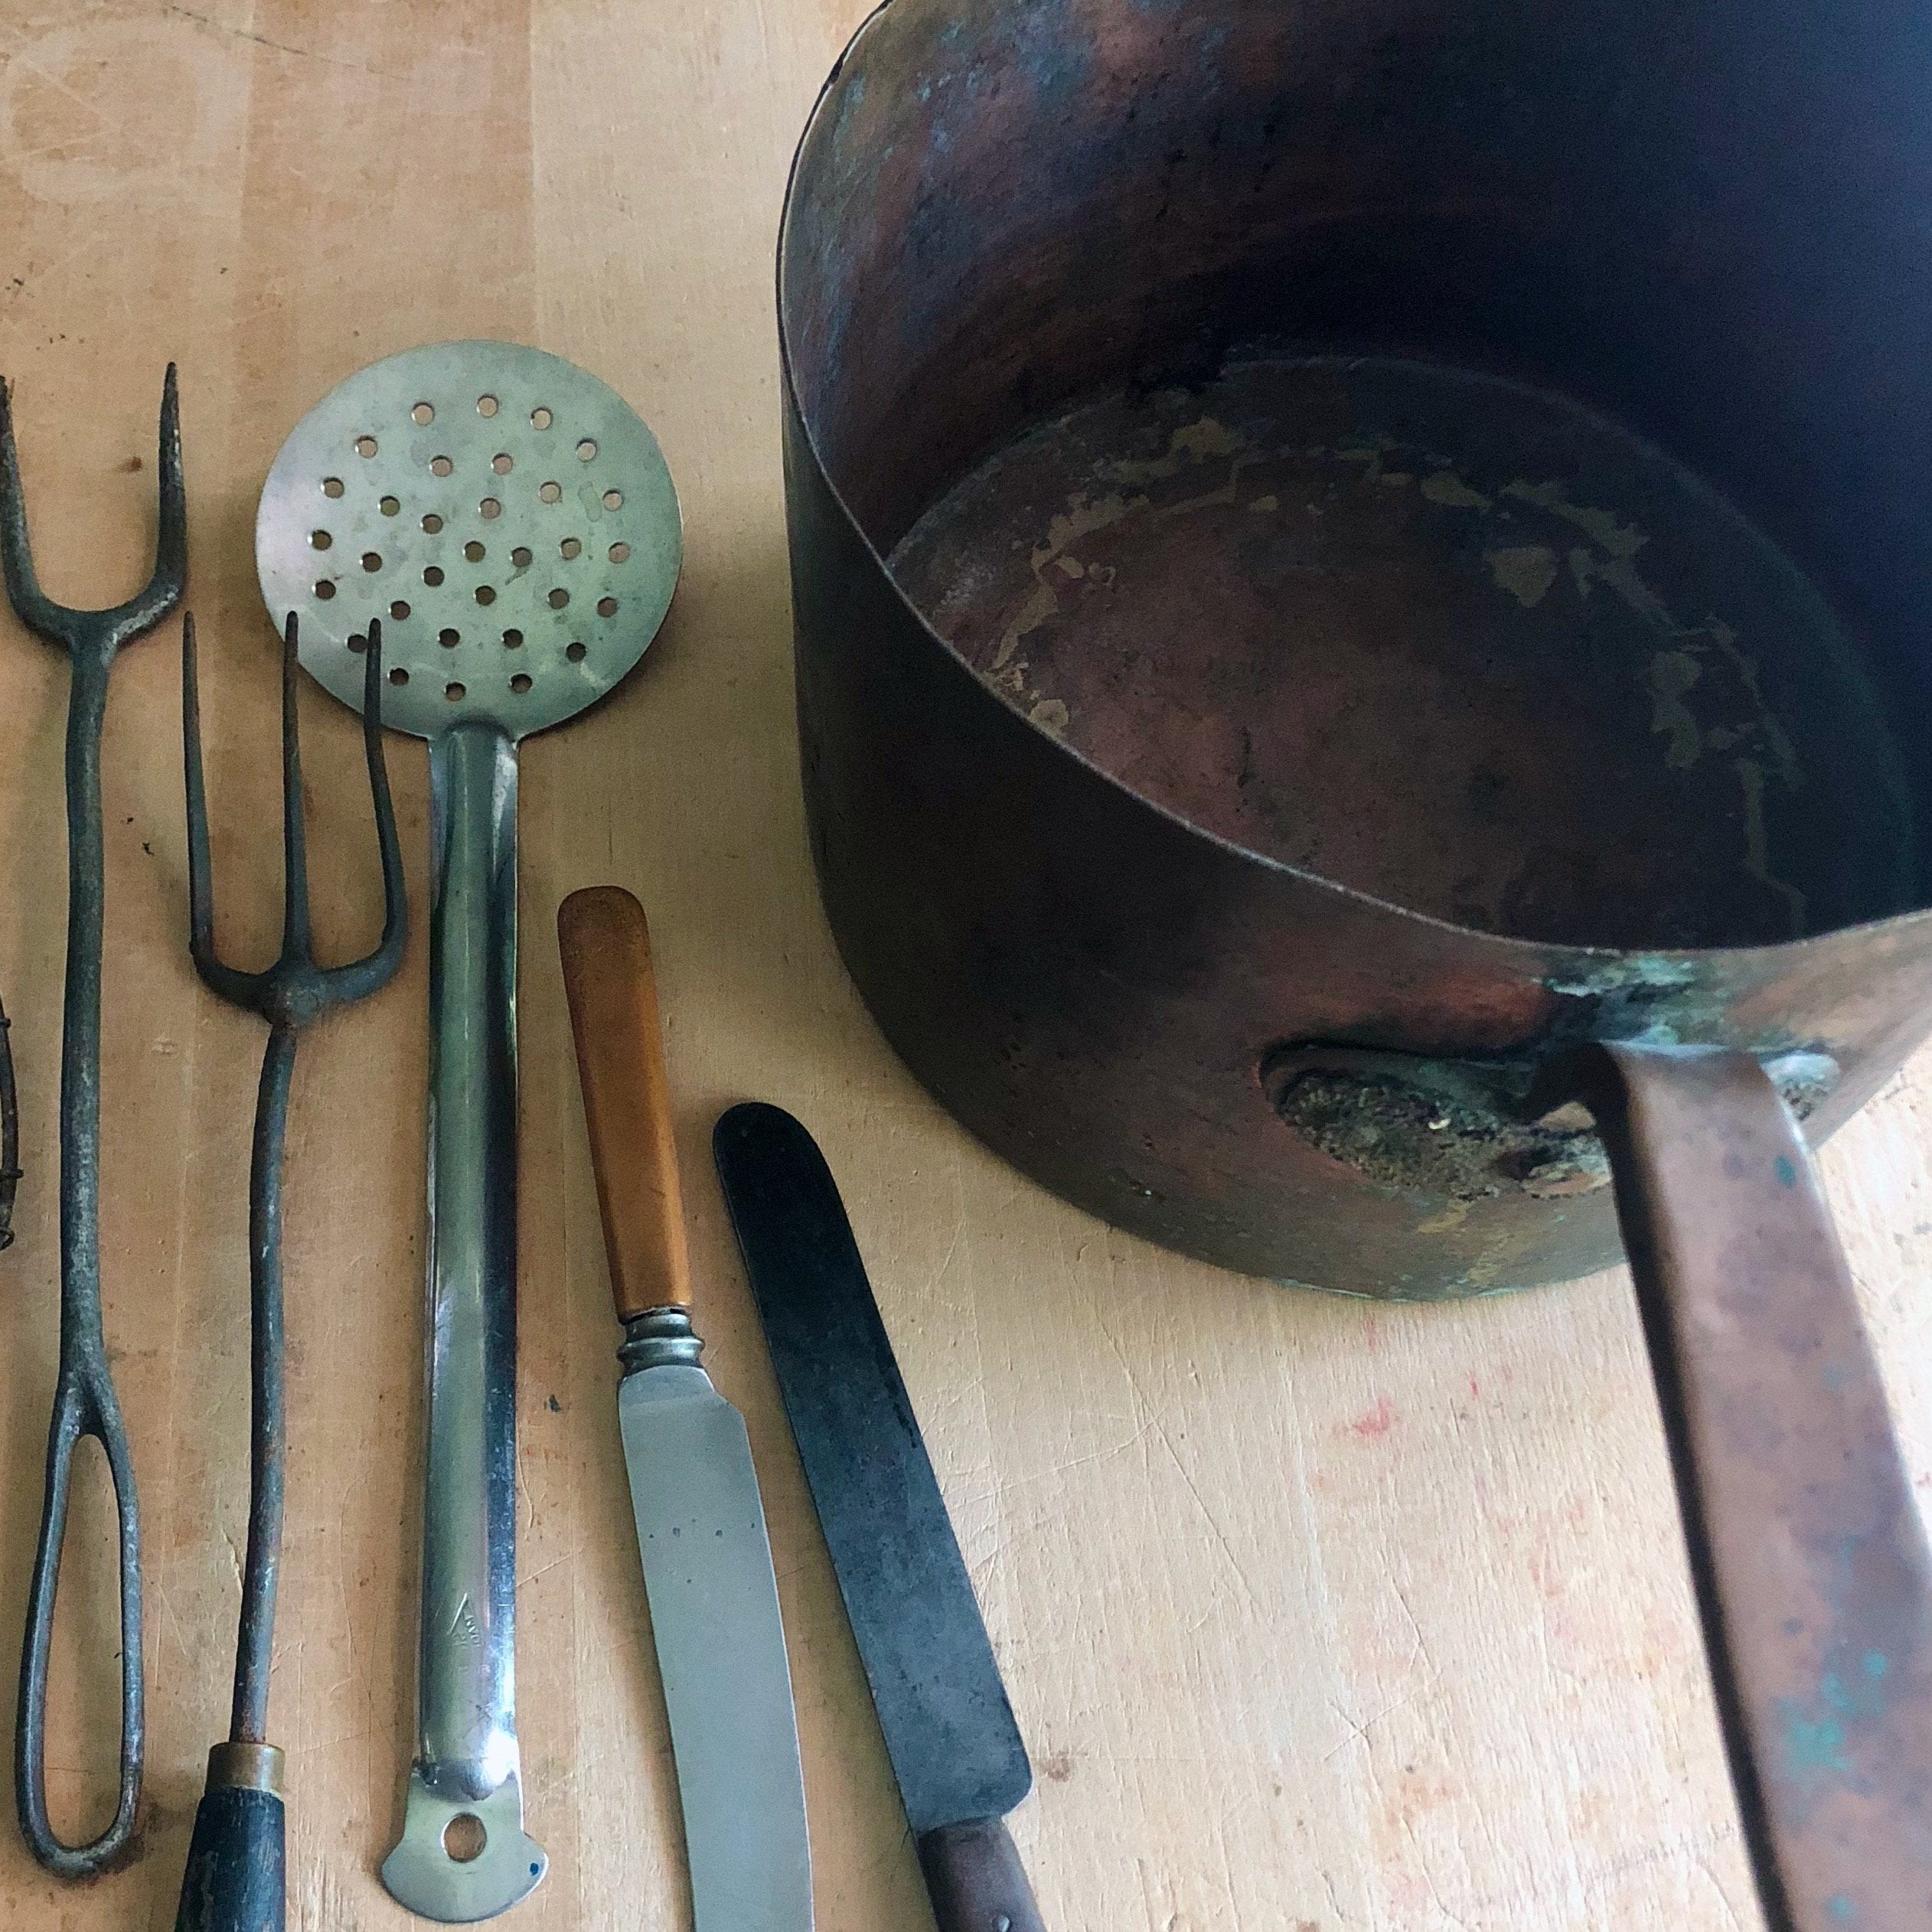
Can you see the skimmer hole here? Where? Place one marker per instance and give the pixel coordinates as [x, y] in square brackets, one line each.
[541, 418]
[502, 463]
[440, 466]
[512, 640]
[372, 559]
[432, 523]
[325, 589]
[550, 492]
[433, 576]
[486, 406]
[585, 450]
[485, 595]
[365, 446]
[519, 556]
[521, 682]
[558, 598]
[449, 638]
[574, 652]
[453, 691]
[331, 486]
[490, 509]
[571, 548]
[321, 539]
[389, 506]
[399, 610]
[613, 499]
[358, 642]
[620, 553]
[473, 550]
[606, 606]
[397, 675]
[422, 413]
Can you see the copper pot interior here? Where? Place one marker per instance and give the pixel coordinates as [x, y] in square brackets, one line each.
[1425, 484]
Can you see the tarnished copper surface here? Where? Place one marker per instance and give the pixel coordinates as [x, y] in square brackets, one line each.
[1445, 639]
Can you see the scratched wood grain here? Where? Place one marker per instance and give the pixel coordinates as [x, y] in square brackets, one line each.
[1316, 1616]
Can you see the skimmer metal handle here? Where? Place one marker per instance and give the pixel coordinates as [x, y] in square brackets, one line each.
[466, 1767]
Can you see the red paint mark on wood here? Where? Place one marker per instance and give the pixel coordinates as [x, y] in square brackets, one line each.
[1473, 1389]
[1378, 1422]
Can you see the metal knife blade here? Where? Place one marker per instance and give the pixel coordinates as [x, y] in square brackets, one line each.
[707, 1561]
[948, 1723]
[714, 1618]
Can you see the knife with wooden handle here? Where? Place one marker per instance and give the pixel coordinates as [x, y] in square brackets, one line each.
[707, 1561]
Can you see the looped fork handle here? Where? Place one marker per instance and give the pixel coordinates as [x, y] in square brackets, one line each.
[84, 1405]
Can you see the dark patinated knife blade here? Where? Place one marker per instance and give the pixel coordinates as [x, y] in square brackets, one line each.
[949, 1730]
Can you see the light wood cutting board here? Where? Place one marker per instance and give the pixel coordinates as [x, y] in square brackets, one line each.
[1317, 1617]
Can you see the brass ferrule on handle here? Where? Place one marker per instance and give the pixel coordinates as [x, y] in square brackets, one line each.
[611, 983]
[245, 1766]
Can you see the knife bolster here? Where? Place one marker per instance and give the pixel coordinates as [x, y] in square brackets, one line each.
[657, 1336]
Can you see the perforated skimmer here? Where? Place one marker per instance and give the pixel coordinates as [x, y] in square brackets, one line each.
[512, 524]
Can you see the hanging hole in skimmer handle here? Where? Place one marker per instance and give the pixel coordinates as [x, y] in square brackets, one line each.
[1809, 1555]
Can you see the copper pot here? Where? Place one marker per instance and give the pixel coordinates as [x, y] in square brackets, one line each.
[1361, 614]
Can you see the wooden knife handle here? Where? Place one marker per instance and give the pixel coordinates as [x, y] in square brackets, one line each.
[975, 1880]
[613, 989]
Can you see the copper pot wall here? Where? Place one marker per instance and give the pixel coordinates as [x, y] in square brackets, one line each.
[1706, 224]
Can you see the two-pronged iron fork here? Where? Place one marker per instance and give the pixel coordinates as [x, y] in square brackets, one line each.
[234, 1879]
[84, 1401]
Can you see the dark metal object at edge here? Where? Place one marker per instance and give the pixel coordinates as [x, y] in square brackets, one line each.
[84, 1400]
[956, 1752]
[9, 1133]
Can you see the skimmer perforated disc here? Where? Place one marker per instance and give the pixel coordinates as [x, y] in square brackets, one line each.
[506, 517]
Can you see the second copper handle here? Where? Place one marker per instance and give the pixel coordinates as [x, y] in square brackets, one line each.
[611, 986]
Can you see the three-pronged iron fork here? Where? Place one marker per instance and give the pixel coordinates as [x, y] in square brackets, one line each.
[234, 1880]
[84, 1401]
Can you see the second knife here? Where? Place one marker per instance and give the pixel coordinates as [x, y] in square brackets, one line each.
[707, 1561]
[949, 1730]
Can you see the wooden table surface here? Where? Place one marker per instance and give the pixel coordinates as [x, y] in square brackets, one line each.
[1316, 1616]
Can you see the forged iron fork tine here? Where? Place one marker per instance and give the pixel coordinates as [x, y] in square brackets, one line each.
[297, 942]
[363, 976]
[105, 632]
[248, 990]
